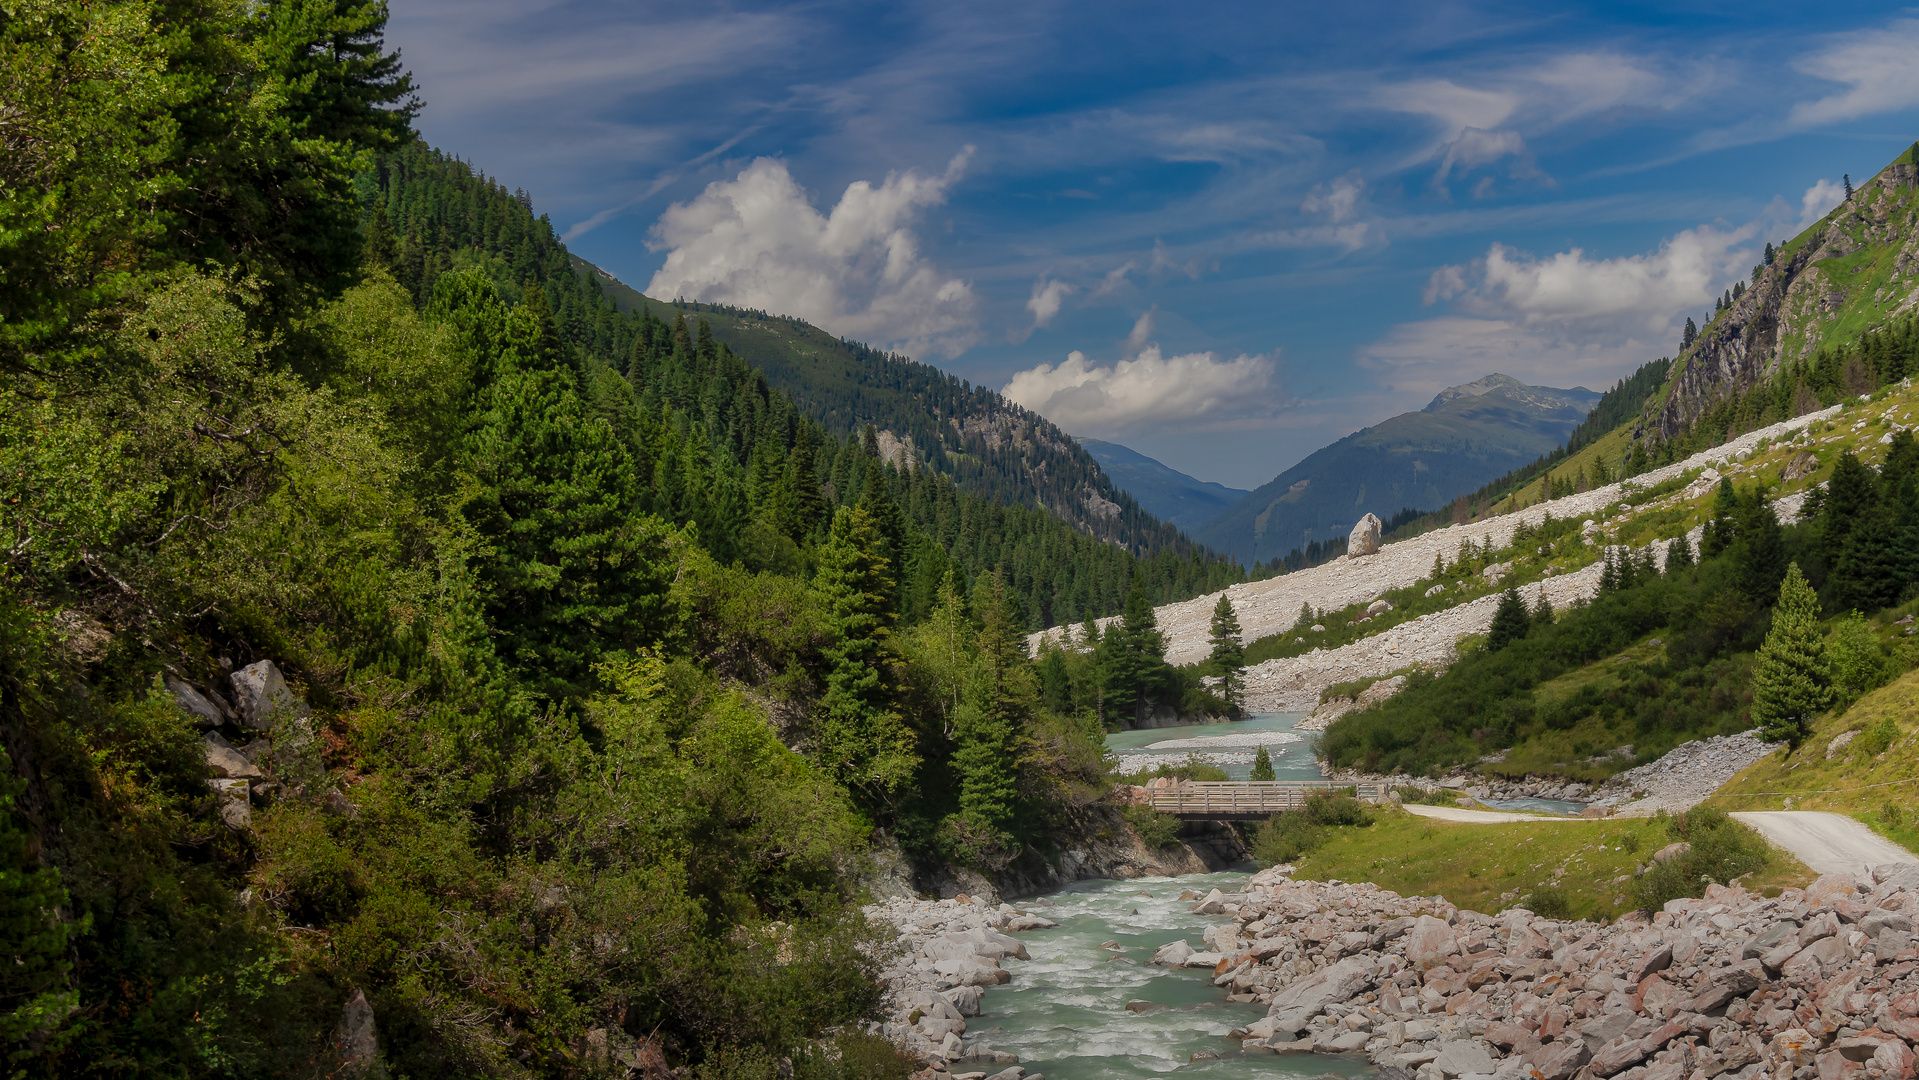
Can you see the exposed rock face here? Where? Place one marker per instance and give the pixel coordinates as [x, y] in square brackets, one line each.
[1782, 312]
[1364, 539]
[1440, 993]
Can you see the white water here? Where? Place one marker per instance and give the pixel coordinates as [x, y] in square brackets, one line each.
[1292, 760]
[1065, 1011]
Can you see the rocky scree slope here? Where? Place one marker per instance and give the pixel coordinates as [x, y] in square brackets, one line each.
[1855, 268]
[1814, 984]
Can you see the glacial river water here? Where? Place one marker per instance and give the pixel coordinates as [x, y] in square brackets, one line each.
[1065, 1011]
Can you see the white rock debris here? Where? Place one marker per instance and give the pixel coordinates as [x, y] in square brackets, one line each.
[1684, 776]
[943, 952]
[1815, 983]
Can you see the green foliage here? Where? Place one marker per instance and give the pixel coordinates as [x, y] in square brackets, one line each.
[1549, 902]
[1228, 658]
[1721, 849]
[1262, 765]
[1877, 739]
[1859, 662]
[1154, 829]
[1793, 682]
[1285, 837]
[1511, 620]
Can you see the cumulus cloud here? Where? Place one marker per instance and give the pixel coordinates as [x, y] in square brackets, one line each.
[1876, 64]
[1150, 389]
[1045, 304]
[1819, 200]
[1604, 297]
[757, 241]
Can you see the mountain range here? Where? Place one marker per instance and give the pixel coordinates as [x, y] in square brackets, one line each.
[1176, 498]
[1465, 437]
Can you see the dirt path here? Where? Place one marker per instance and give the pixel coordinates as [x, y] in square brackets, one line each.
[1827, 843]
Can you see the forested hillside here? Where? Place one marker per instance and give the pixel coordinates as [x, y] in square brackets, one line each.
[981, 507]
[395, 637]
[987, 444]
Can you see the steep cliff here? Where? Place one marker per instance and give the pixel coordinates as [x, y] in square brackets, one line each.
[1855, 269]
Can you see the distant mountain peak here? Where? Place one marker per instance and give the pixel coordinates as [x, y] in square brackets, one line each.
[1505, 386]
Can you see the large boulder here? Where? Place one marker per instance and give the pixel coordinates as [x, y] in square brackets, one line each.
[260, 694]
[1429, 942]
[1364, 539]
[1305, 999]
[195, 704]
[355, 1037]
[227, 762]
[236, 812]
[1460, 1057]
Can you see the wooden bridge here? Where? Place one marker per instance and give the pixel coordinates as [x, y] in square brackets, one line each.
[1201, 800]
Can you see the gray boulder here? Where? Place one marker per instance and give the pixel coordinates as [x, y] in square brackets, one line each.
[227, 762]
[236, 812]
[1364, 539]
[195, 704]
[260, 695]
[355, 1037]
[1305, 999]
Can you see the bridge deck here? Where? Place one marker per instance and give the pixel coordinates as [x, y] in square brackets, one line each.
[1248, 801]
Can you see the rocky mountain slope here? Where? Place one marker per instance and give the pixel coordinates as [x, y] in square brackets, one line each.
[1793, 455]
[1465, 437]
[1178, 499]
[1855, 269]
[985, 443]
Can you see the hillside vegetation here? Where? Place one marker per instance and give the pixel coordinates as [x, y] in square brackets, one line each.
[605, 664]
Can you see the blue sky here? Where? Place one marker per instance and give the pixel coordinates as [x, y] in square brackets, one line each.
[1222, 234]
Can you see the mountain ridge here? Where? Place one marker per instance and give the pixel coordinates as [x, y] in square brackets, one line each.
[1175, 497]
[1468, 434]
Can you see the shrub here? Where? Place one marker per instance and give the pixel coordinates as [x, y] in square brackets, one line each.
[1155, 830]
[1549, 902]
[1722, 849]
[1435, 797]
[1285, 837]
[1877, 739]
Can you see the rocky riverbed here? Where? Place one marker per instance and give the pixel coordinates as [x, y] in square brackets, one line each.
[1814, 984]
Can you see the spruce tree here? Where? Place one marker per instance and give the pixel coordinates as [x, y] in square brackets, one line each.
[1511, 621]
[1689, 335]
[1720, 529]
[1679, 554]
[1759, 554]
[1228, 659]
[1867, 572]
[1543, 610]
[860, 739]
[1262, 765]
[1792, 683]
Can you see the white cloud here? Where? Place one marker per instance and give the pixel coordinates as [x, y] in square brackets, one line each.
[1416, 360]
[1605, 298]
[756, 241]
[1150, 389]
[1142, 331]
[1877, 64]
[1046, 300]
[1456, 107]
[1115, 278]
[1819, 200]
[1339, 202]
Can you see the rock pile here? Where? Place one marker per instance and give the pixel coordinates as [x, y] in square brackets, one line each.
[946, 950]
[279, 751]
[1815, 984]
[1685, 776]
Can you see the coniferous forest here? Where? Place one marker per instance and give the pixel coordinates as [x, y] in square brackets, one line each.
[607, 666]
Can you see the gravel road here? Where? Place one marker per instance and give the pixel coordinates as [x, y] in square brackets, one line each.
[1828, 843]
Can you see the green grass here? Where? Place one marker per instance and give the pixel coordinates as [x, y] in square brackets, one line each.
[1881, 790]
[1488, 867]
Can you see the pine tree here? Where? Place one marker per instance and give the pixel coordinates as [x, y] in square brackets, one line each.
[1770, 253]
[1511, 621]
[860, 739]
[1759, 553]
[1867, 572]
[1543, 609]
[988, 730]
[1792, 683]
[1689, 335]
[1720, 529]
[1228, 659]
[1132, 655]
[1679, 554]
[1262, 765]
[1847, 178]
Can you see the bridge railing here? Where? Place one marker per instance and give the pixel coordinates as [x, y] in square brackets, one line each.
[1253, 798]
